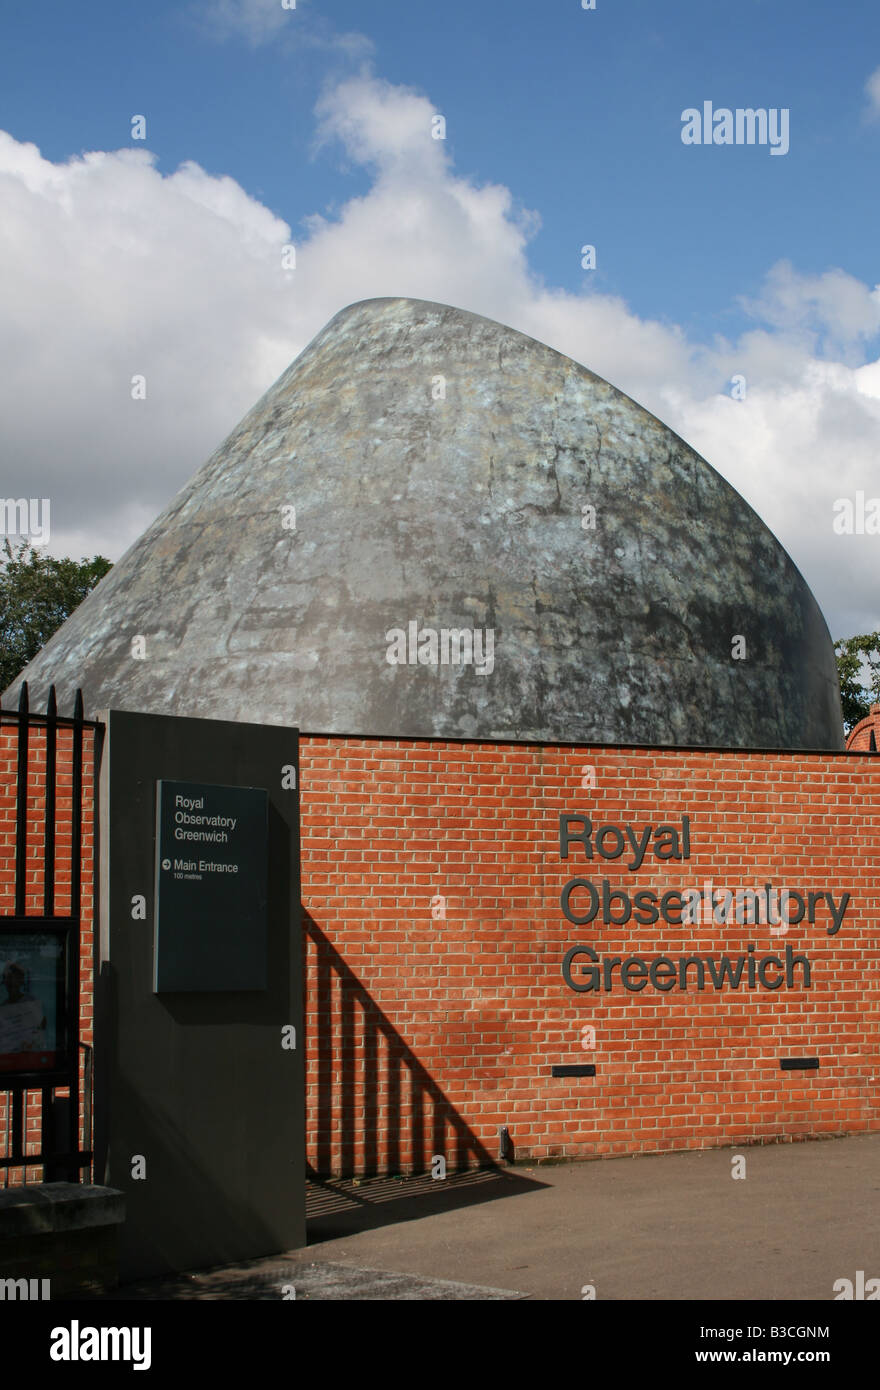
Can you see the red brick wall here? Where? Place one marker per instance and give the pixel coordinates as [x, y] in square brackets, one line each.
[35, 877]
[860, 736]
[425, 1035]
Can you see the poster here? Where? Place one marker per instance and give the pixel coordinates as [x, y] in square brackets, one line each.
[31, 989]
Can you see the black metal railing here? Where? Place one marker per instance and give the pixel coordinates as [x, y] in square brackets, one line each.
[45, 1068]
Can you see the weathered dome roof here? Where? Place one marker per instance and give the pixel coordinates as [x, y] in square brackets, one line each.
[442, 469]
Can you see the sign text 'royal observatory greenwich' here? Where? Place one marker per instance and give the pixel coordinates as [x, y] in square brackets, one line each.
[211, 887]
[584, 901]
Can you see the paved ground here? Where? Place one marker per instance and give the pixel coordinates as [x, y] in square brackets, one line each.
[296, 1276]
[678, 1226]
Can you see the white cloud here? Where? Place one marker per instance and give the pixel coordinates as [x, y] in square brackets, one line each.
[382, 124]
[119, 270]
[260, 22]
[832, 312]
[872, 88]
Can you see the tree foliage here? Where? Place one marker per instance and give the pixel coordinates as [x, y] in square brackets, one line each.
[854, 654]
[37, 594]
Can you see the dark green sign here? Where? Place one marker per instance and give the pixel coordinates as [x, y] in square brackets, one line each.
[211, 877]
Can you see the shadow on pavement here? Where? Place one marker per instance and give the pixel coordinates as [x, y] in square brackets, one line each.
[344, 1206]
[341, 1207]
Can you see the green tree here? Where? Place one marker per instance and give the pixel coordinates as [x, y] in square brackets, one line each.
[37, 594]
[853, 654]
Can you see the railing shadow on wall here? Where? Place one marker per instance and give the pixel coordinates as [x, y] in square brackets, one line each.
[374, 1114]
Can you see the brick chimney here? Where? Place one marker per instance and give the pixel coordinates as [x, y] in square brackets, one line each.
[864, 737]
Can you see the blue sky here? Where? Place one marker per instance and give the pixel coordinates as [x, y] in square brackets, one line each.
[577, 112]
[710, 260]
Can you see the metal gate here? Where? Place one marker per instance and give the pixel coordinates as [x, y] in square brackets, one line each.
[48, 768]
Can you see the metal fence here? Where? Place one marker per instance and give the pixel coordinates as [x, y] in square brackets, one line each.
[45, 1065]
